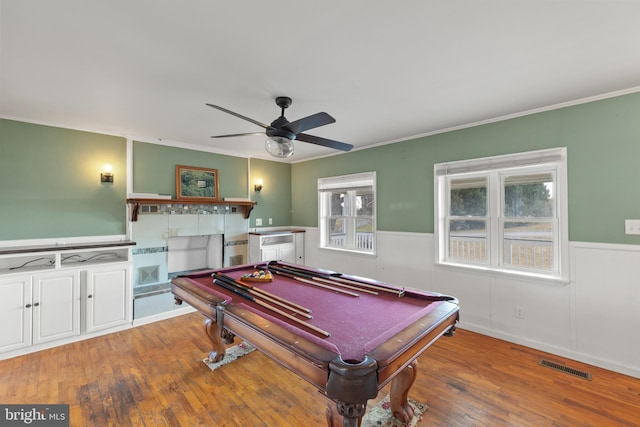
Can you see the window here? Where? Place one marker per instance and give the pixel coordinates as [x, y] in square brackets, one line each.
[347, 212]
[505, 213]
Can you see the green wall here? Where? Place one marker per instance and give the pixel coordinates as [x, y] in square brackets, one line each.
[154, 172]
[50, 187]
[50, 182]
[154, 169]
[274, 201]
[603, 144]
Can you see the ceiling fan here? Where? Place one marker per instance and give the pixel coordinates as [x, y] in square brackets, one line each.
[281, 133]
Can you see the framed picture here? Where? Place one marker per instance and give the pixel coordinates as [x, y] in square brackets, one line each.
[196, 183]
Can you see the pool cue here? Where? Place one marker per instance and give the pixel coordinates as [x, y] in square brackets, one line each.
[270, 307]
[312, 283]
[326, 280]
[265, 297]
[399, 292]
[240, 282]
[336, 276]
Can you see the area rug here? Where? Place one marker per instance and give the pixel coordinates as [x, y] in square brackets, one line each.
[380, 415]
[233, 353]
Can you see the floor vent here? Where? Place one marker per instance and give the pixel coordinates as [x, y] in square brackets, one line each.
[565, 369]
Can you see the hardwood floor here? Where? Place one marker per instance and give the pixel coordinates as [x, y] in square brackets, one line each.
[152, 375]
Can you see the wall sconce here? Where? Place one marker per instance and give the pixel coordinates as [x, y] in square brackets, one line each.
[258, 185]
[107, 175]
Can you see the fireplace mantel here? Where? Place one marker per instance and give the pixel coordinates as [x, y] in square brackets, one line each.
[135, 204]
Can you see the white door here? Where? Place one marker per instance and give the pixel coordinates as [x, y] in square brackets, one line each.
[270, 254]
[288, 253]
[56, 305]
[107, 299]
[16, 314]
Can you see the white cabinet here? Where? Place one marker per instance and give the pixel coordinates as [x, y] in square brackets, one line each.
[39, 308]
[16, 318]
[56, 305]
[107, 297]
[55, 295]
[299, 241]
[285, 246]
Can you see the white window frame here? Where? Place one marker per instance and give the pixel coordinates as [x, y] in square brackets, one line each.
[350, 184]
[495, 169]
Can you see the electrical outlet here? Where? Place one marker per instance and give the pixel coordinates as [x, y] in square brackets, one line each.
[270, 221]
[519, 312]
[258, 222]
[632, 226]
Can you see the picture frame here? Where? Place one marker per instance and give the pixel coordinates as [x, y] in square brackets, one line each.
[196, 183]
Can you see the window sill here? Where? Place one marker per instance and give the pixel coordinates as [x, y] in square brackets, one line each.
[536, 278]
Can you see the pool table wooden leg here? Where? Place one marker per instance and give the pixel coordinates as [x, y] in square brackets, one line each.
[334, 419]
[212, 330]
[400, 407]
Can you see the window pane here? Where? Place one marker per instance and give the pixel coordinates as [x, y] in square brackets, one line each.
[528, 196]
[337, 204]
[364, 233]
[337, 232]
[468, 197]
[468, 240]
[528, 245]
[346, 205]
[364, 203]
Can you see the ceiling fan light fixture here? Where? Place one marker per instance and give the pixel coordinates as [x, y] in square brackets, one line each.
[279, 146]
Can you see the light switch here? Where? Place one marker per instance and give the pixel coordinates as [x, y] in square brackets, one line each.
[632, 226]
[258, 222]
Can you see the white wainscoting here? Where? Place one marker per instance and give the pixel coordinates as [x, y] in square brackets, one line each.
[594, 319]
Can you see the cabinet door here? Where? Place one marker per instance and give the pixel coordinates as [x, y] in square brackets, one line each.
[56, 306]
[288, 253]
[299, 248]
[15, 316]
[270, 253]
[107, 297]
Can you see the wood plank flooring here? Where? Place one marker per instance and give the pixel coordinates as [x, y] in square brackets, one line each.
[152, 375]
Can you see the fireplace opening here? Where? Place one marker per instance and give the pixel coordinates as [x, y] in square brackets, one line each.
[193, 253]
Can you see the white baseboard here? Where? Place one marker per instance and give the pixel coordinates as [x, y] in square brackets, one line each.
[555, 350]
[163, 316]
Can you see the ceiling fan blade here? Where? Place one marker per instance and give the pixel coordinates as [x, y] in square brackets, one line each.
[240, 116]
[324, 142]
[309, 122]
[237, 134]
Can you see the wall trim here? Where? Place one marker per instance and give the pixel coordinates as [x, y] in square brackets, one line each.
[555, 350]
[572, 244]
[163, 316]
[629, 247]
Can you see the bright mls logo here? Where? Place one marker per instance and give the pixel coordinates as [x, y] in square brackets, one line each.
[36, 415]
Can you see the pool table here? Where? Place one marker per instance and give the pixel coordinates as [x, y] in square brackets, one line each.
[349, 336]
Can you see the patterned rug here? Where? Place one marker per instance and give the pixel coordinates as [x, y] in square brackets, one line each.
[233, 353]
[380, 415]
[376, 416]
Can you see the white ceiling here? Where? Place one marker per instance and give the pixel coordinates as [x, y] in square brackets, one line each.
[386, 70]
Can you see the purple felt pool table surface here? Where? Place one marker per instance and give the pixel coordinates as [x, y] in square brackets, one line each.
[359, 334]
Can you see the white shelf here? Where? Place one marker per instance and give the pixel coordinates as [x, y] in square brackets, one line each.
[30, 259]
